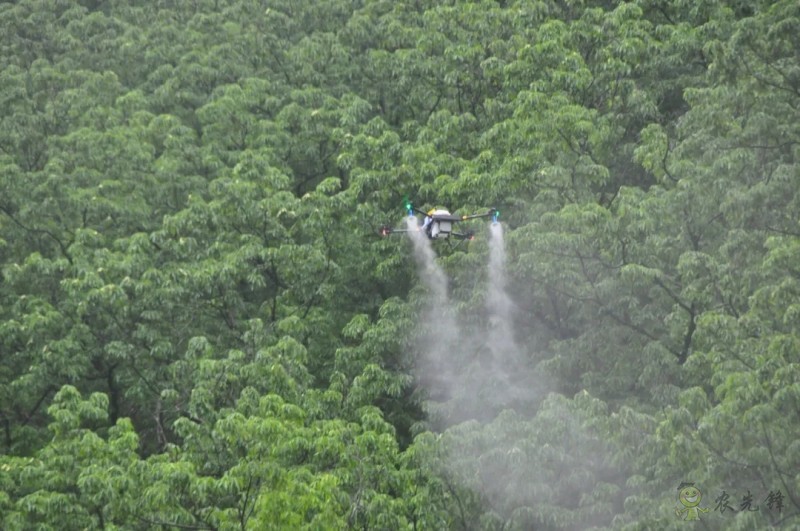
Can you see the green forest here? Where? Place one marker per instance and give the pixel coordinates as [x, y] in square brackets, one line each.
[202, 328]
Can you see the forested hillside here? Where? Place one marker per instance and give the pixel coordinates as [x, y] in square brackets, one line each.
[200, 327]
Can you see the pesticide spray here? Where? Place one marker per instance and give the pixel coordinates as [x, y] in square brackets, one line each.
[498, 303]
[468, 372]
[489, 403]
[507, 362]
[438, 328]
[432, 276]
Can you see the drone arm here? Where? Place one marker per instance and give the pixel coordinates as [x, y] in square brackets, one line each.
[387, 230]
[493, 213]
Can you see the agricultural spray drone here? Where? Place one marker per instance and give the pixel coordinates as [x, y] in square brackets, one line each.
[438, 224]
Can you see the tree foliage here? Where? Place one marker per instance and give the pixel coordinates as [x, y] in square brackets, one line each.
[200, 329]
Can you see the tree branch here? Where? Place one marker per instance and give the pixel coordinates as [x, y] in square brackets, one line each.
[46, 232]
[173, 524]
[794, 500]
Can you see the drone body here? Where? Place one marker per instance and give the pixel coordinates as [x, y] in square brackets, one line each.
[438, 223]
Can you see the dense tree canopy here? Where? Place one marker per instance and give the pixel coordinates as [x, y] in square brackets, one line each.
[201, 329]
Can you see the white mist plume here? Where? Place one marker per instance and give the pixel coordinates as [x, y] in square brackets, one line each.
[472, 372]
[498, 426]
[431, 274]
[501, 335]
[439, 330]
[513, 381]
